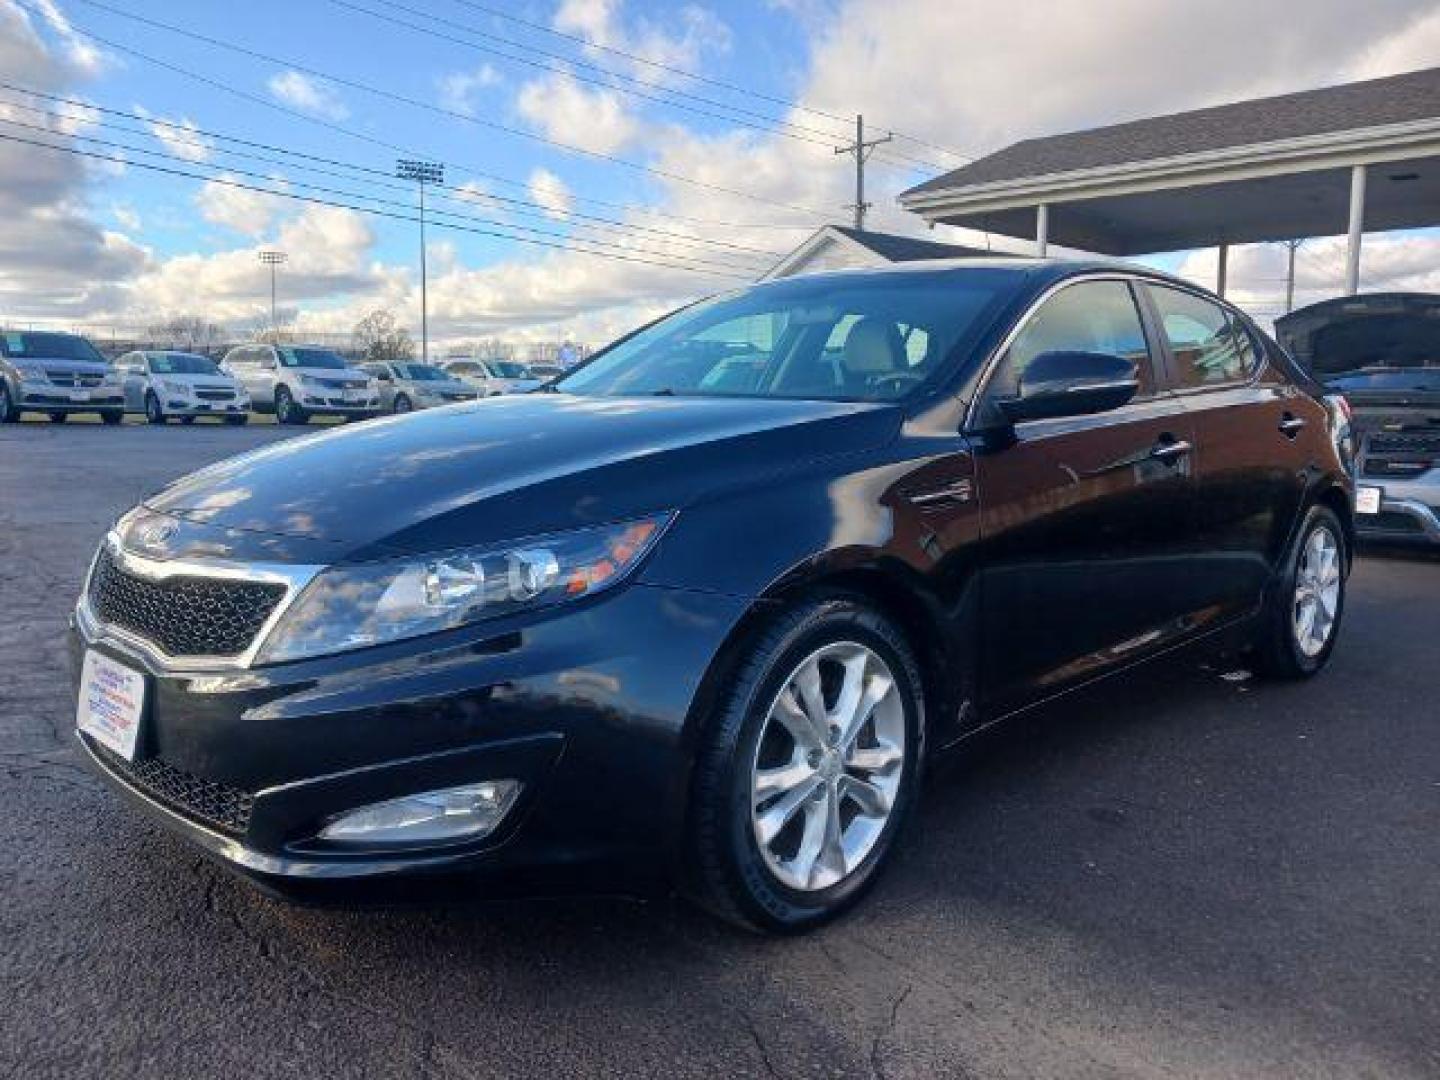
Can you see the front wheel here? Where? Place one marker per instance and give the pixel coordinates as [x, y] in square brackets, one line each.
[59, 417]
[286, 411]
[1301, 620]
[112, 417]
[808, 770]
[8, 412]
[154, 414]
[402, 404]
[237, 421]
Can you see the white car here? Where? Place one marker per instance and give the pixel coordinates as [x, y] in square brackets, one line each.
[493, 377]
[296, 382]
[180, 384]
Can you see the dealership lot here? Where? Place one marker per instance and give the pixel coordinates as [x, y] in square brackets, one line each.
[1190, 874]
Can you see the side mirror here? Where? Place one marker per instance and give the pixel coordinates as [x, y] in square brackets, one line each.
[1059, 384]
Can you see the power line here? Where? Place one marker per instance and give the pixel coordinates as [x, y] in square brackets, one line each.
[656, 65]
[570, 247]
[365, 88]
[325, 190]
[184, 134]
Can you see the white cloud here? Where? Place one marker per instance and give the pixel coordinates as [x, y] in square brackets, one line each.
[302, 92]
[250, 213]
[566, 111]
[459, 90]
[182, 138]
[552, 194]
[127, 217]
[84, 57]
[701, 34]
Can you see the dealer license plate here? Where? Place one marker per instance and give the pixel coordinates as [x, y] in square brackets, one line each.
[112, 700]
[1367, 500]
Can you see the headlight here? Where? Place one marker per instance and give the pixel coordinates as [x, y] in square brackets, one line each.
[30, 373]
[175, 387]
[351, 607]
[111, 378]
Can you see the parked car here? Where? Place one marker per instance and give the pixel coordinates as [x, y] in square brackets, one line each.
[634, 620]
[493, 376]
[544, 372]
[183, 385]
[56, 374]
[406, 386]
[296, 382]
[1382, 352]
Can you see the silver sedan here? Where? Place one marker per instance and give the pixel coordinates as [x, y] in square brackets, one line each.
[182, 385]
[406, 386]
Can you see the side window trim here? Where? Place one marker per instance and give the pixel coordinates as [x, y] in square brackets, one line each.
[1232, 313]
[976, 406]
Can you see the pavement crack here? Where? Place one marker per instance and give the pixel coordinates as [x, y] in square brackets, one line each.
[877, 1064]
[759, 1043]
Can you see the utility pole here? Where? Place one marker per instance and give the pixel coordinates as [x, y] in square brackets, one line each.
[862, 150]
[422, 172]
[273, 259]
[1290, 276]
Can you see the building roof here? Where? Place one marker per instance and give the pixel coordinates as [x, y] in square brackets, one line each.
[895, 248]
[1372, 103]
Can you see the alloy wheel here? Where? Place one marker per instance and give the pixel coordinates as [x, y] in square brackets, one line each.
[1317, 591]
[827, 766]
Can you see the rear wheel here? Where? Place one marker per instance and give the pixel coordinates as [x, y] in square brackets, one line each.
[402, 404]
[187, 419]
[154, 414]
[286, 411]
[59, 417]
[1301, 620]
[237, 421]
[809, 769]
[8, 411]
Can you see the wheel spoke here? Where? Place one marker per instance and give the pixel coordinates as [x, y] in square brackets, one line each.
[830, 867]
[876, 690]
[812, 697]
[776, 816]
[792, 718]
[1305, 628]
[812, 841]
[776, 781]
[874, 758]
[849, 704]
[872, 801]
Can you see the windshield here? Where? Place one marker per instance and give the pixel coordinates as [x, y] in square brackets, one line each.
[312, 358]
[509, 369]
[843, 337]
[420, 373]
[544, 371]
[44, 346]
[174, 363]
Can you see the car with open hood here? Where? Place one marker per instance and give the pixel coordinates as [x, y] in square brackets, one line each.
[1382, 353]
[707, 606]
[56, 374]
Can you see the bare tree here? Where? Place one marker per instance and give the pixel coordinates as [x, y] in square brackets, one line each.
[187, 332]
[379, 337]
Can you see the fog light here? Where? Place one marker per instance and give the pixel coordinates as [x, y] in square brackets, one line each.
[458, 813]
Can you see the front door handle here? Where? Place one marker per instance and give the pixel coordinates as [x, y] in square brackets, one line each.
[1291, 426]
[1170, 451]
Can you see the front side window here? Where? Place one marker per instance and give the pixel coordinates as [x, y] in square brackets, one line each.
[861, 338]
[1090, 316]
[1208, 346]
[420, 373]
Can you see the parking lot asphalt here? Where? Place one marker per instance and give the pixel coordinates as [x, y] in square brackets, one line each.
[1190, 874]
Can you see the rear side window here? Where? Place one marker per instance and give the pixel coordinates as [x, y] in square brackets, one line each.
[1208, 346]
[1090, 316]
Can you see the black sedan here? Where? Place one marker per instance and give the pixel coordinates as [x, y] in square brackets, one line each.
[711, 601]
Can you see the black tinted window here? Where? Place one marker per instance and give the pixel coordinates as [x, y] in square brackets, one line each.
[1091, 316]
[43, 346]
[1209, 348]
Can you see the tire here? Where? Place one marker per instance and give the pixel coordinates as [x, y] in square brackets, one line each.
[187, 420]
[774, 887]
[59, 417]
[8, 412]
[111, 418]
[286, 411]
[238, 421]
[154, 414]
[1282, 651]
[401, 404]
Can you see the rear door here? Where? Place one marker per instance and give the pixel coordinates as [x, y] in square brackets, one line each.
[1086, 520]
[1251, 444]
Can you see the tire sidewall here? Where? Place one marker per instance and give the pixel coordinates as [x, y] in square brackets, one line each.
[402, 404]
[8, 412]
[764, 899]
[153, 412]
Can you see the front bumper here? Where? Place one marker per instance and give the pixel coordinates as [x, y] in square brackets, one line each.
[185, 407]
[586, 707]
[1409, 511]
[58, 399]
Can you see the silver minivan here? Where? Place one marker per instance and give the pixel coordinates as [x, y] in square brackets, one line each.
[406, 386]
[183, 385]
[296, 382]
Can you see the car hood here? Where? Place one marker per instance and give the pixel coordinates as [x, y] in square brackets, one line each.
[500, 469]
[437, 386]
[201, 382]
[62, 366]
[349, 378]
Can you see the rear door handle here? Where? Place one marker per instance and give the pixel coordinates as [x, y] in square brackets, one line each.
[1170, 451]
[1291, 425]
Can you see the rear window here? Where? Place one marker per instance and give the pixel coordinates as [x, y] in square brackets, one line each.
[1209, 347]
[48, 346]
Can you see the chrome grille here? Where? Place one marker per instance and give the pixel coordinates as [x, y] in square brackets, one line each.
[183, 615]
[73, 379]
[214, 395]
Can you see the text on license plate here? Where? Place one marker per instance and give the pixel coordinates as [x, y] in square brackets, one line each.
[1367, 500]
[112, 700]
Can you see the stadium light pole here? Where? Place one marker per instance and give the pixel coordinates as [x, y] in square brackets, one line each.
[273, 259]
[422, 172]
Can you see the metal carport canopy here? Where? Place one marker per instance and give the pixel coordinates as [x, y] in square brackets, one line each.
[1359, 156]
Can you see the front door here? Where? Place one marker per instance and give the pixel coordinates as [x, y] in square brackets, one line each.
[1086, 520]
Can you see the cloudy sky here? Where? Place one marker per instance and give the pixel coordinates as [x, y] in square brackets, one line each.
[590, 184]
